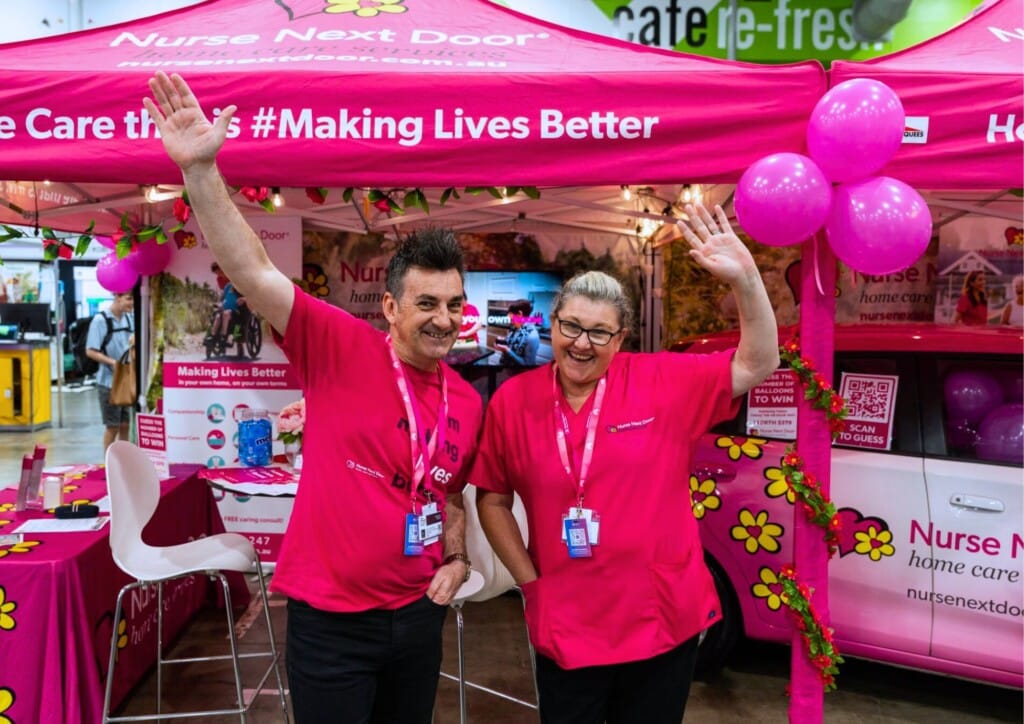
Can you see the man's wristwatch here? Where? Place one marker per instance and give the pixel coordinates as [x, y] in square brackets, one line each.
[459, 557]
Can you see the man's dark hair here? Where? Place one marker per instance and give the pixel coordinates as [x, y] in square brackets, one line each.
[432, 249]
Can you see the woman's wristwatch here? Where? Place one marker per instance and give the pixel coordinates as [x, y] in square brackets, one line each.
[459, 557]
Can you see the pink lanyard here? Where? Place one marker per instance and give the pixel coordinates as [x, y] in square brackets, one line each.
[562, 434]
[421, 451]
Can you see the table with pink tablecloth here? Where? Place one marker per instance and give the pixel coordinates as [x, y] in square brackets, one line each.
[57, 597]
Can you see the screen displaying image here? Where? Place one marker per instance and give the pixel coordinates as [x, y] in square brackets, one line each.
[501, 301]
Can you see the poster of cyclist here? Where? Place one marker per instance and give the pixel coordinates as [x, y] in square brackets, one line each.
[220, 357]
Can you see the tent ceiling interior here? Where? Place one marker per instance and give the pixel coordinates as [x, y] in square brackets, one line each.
[576, 210]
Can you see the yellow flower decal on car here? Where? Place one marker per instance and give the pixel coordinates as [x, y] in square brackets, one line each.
[703, 496]
[6, 699]
[770, 589]
[874, 543]
[752, 447]
[777, 485]
[756, 532]
[24, 547]
[7, 621]
[367, 10]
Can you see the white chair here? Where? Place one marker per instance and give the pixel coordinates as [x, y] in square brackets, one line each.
[494, 581]
[134, 491]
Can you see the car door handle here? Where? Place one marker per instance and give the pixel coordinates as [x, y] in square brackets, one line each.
[975, 502]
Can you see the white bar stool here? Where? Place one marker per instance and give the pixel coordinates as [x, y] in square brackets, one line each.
[467, 589]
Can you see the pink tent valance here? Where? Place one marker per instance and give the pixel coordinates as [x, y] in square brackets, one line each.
[963, 92]
[438, 93]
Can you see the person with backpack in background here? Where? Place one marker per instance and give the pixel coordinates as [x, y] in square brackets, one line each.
[110, 336]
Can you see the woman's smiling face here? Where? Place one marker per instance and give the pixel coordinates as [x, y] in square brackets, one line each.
[580, 362]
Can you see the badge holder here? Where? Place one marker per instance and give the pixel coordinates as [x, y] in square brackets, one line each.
[577, 538]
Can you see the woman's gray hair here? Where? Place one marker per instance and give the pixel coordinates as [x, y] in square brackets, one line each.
[598, 287]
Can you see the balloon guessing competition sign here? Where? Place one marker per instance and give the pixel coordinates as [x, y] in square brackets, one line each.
[220, 358]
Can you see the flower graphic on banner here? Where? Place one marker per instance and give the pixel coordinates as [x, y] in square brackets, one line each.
[314, 281]
[752, 447]
[7, 621]
[25, 546]
[6, 699]
[778, 485]
[703, 496]
[874, 543]
[770, 589]
[3, 522]
[365, 8]
[755, 532]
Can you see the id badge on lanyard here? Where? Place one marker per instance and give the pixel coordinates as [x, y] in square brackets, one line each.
[422, 527]
[581, 527]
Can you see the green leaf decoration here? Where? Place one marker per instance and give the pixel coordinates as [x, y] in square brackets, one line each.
[409, 200]
[146, 233]
[393, 206]
[495, 192]
[532, 191]
[83, 244]
[124, 247]
[376, 195]
[161, 236]
[50, 251]
[346, 195]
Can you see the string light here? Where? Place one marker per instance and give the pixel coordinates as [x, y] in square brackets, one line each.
[626, 193]
[275, 196]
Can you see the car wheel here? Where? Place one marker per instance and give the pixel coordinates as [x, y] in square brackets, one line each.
[720, 639]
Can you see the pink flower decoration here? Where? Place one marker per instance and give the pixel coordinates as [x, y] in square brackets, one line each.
[292, 420]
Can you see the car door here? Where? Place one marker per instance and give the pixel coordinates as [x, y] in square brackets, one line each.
[879, 495]
[973, 475]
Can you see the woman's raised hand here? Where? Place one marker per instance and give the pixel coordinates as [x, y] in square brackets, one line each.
[715, 246]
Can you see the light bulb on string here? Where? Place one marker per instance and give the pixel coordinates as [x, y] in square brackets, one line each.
[275, 196]
[626, 193]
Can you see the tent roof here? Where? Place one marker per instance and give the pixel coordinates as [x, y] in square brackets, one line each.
[964, 90]
[430, 93]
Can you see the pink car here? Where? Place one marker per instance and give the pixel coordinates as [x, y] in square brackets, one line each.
[928, 485]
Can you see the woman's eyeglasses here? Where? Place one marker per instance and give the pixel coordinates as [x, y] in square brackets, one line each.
[597, 337]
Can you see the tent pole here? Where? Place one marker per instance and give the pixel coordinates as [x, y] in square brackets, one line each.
[814, 441]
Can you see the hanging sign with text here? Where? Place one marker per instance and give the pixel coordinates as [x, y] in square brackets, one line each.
[771, 407]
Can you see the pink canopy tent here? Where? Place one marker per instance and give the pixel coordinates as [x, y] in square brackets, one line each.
[963, 93]
[417, 93]
[423, 93]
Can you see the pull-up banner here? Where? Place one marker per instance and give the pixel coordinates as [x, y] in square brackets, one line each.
[468, 92]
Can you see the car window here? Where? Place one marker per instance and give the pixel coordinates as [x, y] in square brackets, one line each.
[979, 407]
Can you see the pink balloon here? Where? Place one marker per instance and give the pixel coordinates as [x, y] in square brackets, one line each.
[116, 275]
[149, 258]
[879, 225]
[970, 395]
[105, 241]
[783, 199]
[1001, 435]
[855, 129]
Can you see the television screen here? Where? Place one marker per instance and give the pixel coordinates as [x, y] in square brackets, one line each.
[489, 294]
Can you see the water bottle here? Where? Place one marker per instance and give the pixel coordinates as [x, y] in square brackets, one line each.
[254, 437]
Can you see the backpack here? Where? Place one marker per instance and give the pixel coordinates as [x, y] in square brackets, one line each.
[78, 333]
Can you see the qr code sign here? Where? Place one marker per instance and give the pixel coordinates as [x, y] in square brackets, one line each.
[868, 398]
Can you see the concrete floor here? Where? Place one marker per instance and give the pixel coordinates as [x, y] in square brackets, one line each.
[750, 689]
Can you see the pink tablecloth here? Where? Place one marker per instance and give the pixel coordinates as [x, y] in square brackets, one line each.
[57, 597]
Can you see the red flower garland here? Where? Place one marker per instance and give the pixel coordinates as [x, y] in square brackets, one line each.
[817, 637]
[819, 510]
[817, 389]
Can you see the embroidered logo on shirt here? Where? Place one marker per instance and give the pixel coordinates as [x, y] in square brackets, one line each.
[353, 465]
[632, 425]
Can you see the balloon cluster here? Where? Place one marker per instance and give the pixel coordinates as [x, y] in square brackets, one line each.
[874, 224]
[984, 414]
[121, 275]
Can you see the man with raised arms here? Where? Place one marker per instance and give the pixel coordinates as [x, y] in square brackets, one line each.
[375, 548]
